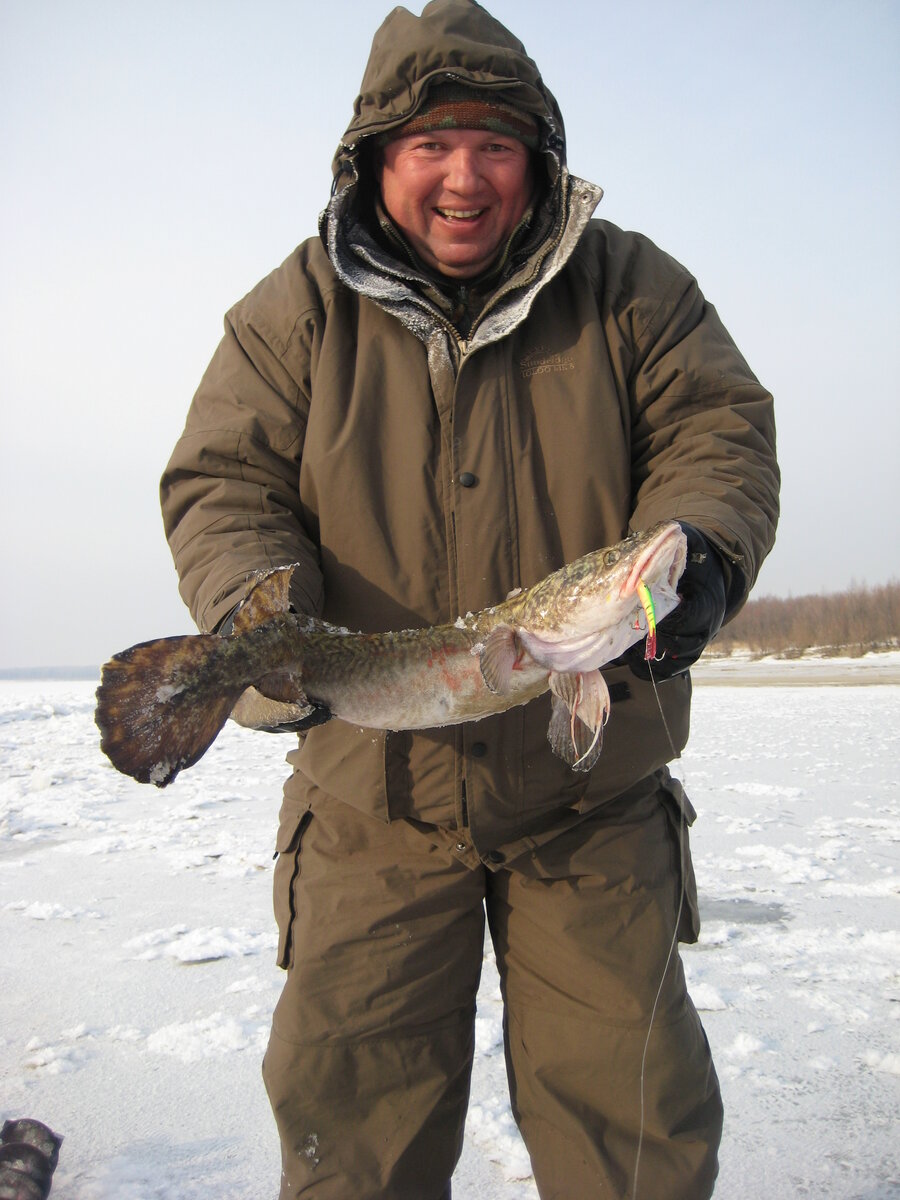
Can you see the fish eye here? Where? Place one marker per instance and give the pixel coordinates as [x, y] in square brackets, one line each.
[611, 558]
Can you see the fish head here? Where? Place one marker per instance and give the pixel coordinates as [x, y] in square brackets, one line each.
[656, 558]
[590, 612]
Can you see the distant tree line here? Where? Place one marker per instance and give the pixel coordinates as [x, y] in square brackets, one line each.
[851, 622]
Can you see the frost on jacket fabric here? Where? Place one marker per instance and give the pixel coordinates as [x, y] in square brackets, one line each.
[416, 474]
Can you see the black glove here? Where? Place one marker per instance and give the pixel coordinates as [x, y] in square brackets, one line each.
[682, 636]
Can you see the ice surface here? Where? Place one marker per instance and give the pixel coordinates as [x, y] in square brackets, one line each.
[138, 945]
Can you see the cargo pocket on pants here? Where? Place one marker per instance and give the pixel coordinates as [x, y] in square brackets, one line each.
[291, 827]
[681, 815]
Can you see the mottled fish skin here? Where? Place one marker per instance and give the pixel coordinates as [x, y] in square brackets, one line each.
[161, 704]
[588, 612]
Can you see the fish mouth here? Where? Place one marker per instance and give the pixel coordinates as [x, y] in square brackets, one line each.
[668, 550]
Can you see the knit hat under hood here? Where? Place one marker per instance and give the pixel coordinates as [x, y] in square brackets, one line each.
[460, 106]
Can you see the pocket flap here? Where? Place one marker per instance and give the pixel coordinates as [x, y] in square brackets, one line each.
[291, 822]
[673, 787]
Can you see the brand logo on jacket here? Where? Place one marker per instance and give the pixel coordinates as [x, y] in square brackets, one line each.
[542, 361]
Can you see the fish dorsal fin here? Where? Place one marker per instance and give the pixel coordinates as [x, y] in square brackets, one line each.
[268, 598]
[499, 656]
[580, 709]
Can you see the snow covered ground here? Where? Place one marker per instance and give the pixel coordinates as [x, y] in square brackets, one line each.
[137, 976]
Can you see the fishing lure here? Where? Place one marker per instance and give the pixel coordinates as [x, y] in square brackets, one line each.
[646, 600]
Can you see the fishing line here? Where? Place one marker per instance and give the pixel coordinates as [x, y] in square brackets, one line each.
[673, 943]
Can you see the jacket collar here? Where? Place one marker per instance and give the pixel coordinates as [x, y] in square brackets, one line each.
[384, 270]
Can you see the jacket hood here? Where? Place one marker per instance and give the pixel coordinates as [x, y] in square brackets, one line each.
[452, 41]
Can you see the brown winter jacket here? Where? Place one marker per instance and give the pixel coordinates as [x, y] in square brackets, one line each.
[414, 475]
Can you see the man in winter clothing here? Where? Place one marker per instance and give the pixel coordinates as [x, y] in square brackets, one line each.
[463, 383]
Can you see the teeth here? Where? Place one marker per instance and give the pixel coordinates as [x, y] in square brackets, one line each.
[460, 213]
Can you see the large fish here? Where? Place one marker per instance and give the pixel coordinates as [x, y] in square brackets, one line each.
[161, 704]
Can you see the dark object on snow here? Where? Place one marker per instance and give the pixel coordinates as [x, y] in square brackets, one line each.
[29, 1152]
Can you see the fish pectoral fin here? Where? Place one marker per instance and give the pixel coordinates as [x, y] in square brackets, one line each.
[501, 654]
[580, 709]
[584, 694]
[572, 741]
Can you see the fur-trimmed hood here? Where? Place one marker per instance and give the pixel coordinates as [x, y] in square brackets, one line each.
[453, 41]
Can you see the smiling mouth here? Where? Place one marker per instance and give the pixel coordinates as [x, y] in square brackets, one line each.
[460, 214]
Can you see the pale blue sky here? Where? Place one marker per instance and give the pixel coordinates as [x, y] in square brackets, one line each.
[158, 159]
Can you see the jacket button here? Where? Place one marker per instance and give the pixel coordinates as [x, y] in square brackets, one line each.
[478, 749]
[467, 479]
[461, 847]
[495, 857]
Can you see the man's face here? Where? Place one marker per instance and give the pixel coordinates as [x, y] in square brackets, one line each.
[456, 194]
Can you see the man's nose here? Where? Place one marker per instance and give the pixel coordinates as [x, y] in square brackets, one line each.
[463, 174]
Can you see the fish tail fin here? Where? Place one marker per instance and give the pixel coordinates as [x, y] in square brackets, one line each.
[161, 705]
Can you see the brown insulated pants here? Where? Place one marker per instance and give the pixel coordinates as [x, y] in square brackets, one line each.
[369, 1060]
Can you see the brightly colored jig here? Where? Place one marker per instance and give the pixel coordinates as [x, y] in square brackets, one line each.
[646, 600]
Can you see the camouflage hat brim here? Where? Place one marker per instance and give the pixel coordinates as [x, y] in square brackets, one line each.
[455, 106]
